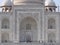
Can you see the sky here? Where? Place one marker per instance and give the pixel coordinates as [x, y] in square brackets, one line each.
[56, 1]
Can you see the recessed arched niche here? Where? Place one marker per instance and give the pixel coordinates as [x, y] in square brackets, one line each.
[28, 28]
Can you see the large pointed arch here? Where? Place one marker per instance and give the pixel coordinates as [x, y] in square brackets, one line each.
[28, 27]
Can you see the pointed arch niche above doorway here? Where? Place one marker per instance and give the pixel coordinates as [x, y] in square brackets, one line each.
[28, 26]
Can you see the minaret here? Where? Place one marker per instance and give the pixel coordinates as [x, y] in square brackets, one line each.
[7, 6]
[50, 6]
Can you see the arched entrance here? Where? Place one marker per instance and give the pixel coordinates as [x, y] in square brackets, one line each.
[28, 30]
[51, 37]
[4, 37]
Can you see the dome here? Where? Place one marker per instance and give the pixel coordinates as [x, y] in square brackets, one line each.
[26, 1]
[49, 3]
[7, 3]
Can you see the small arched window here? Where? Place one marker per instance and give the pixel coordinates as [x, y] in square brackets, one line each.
[51, 23]
[5, 23]
[50, 9]
[6, 9]
[46, 9]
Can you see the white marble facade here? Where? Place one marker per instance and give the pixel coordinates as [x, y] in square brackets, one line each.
[29, 21]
